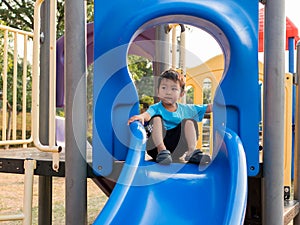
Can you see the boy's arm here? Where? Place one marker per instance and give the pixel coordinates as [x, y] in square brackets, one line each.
[144, 117]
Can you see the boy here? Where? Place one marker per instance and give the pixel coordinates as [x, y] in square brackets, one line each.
[173, 126]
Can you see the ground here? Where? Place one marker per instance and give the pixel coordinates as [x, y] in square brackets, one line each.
[11, 195]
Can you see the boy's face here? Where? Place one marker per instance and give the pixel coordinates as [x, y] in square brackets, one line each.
[169, 91]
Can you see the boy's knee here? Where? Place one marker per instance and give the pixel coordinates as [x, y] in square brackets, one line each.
[156, 119]
[191, 123]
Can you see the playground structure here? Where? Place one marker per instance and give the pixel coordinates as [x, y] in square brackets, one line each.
[213, 70]
[232, 156]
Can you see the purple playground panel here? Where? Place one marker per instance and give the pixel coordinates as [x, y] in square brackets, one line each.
[60, 131]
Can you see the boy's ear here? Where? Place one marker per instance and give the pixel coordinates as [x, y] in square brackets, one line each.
[182, 93]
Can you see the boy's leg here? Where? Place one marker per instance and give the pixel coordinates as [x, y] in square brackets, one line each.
[159, 151]
[186, 138]
[191, 135]
[155, 133]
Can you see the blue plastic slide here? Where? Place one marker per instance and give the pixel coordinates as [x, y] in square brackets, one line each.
[149, 193]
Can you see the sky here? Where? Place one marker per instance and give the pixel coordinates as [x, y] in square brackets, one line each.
[207, 47]
[292, 10]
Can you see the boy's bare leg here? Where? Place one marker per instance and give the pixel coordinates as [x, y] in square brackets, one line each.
[157, 134]
[190, 136]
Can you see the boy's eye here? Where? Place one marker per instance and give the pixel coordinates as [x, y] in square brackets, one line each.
[174, 89]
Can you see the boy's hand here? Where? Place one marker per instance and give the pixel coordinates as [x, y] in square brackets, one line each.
[141, 117]
[136, 117]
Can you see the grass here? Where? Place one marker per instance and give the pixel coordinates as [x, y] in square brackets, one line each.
[11, 195]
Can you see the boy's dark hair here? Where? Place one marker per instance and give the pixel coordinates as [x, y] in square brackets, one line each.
[172, 74]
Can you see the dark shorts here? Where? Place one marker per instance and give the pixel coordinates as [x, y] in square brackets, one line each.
[174, 139]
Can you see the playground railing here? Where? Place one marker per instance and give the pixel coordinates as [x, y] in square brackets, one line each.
[15, 67]
[52, 147]
[11, 84]
[15, 80]
[19, 86]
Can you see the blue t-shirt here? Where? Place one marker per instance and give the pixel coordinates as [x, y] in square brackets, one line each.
[184, 111]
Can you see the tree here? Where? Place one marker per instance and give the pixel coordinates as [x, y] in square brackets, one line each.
[142, 73]
[19, 14]
[141, 70]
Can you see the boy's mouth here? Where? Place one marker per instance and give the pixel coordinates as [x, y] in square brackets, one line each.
[167, 100]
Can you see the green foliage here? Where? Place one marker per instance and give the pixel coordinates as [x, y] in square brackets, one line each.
[207, 91]
[142, 73]
[60, 112]
[89, 81]
[139, 67]
[147, 99]
[19, 77]
[19, 14]
[60, 14]
[206, 96]
[145, 102]
[190, 96]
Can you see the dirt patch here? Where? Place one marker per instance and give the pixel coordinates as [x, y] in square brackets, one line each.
[11, 198]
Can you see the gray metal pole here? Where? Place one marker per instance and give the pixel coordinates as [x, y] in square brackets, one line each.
[76, 112]
[297, 137]
[162, 51]
[45, 182]
[45, 200]
[273, 200]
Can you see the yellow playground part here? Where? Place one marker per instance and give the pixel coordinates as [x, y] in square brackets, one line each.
[212, 70]
[287, 123]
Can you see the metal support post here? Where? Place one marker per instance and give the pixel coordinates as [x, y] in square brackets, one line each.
[161, 59]
[45, 182]
[274, 76]
[76, 112]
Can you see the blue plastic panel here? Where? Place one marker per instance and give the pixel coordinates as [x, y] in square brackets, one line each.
[233, 23]
[149, 193]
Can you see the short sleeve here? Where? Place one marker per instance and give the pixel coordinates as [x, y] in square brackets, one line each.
[151, 110]
[201, 109]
